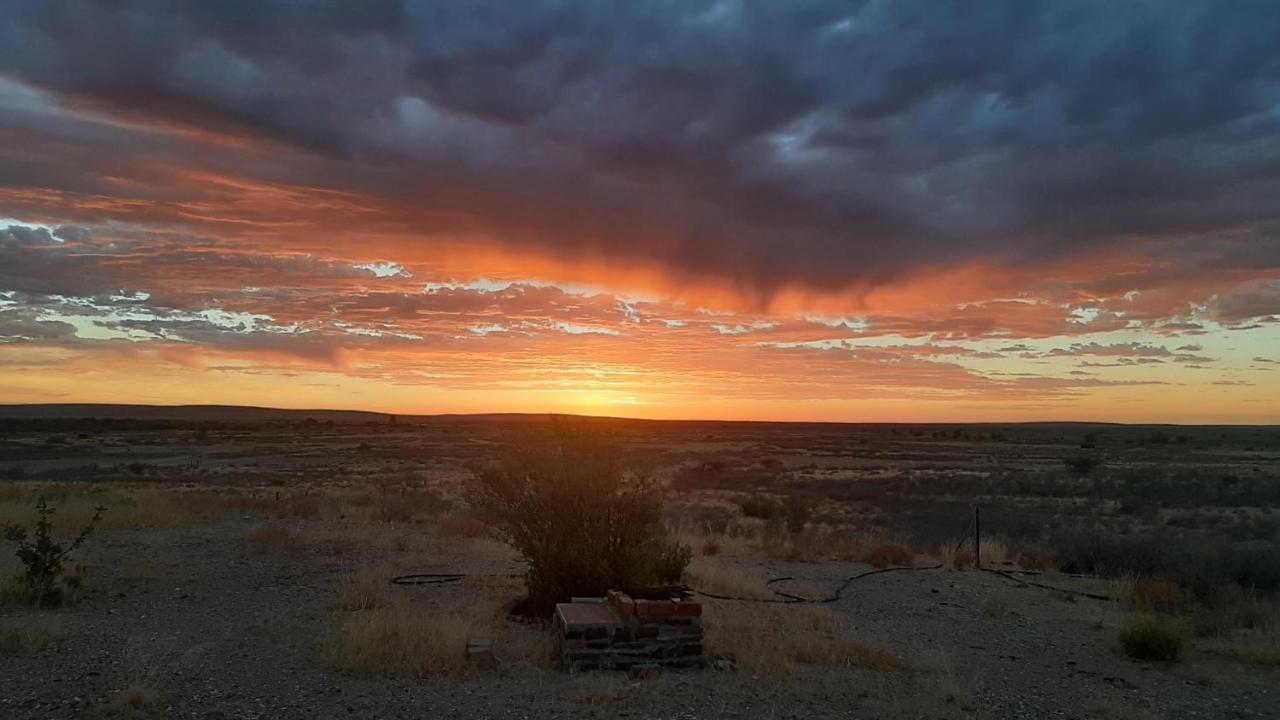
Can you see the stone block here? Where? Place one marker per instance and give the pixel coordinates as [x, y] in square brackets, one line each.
[586, 620]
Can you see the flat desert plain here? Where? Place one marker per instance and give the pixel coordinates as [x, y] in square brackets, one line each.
[242, 569]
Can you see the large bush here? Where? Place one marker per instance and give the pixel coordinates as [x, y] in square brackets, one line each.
[583, 521]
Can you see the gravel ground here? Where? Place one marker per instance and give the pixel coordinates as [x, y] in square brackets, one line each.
[218, 630]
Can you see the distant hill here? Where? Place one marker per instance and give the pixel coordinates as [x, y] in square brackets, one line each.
[251, 415]
[185, 413]
[241, 414]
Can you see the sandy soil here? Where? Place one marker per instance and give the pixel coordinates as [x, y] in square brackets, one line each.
[212, 628]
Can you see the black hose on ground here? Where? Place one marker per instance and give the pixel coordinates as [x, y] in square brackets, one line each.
[440, 578]
[780, 597]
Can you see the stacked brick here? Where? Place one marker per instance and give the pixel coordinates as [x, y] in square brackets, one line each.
[619, 632]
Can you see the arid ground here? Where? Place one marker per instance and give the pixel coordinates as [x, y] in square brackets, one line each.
[243, 569]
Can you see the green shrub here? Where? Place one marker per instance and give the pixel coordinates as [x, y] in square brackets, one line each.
[1153, 638]
[583, 522]
[43, 556]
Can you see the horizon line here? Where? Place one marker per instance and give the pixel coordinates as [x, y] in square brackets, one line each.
[425, 415]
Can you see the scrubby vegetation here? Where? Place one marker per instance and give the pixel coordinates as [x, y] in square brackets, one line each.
[28, 634]
[397, 638]
[582, 520]
[1183, 532]
[1153, 637]
[44, 557]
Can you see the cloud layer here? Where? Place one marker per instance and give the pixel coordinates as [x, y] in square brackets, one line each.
[745, 193]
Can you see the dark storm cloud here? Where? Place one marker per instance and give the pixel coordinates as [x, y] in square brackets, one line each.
[813, 142]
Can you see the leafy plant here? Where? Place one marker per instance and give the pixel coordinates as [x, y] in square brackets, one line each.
[582, 520]
[43, 557]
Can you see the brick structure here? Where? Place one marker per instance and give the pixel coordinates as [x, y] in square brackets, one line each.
[660, 627]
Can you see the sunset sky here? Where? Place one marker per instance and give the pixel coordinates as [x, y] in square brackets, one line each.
[863, 211]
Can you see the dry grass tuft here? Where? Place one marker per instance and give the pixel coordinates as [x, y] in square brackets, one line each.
[1255, 639]
[128, 507]
[995, 552]
[30, 634]
[367, 588]
[275, 537]
[1037, 560]
[399, 638]
[1150, 637]
[774, 639]
[952, 557]
[727, 580]
[1153, 595]
[959, 556]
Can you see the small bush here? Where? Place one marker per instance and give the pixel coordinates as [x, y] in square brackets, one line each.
[583, 522]
[43, 557]
[761, 508]
[1153, 638]
[796, 511]
[670, 560]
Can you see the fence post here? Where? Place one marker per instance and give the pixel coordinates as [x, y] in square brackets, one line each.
[977, 539]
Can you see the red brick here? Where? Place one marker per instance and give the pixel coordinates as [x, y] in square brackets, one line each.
[661, 609]
[688, 609]
[643, 608]
[622, 602]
